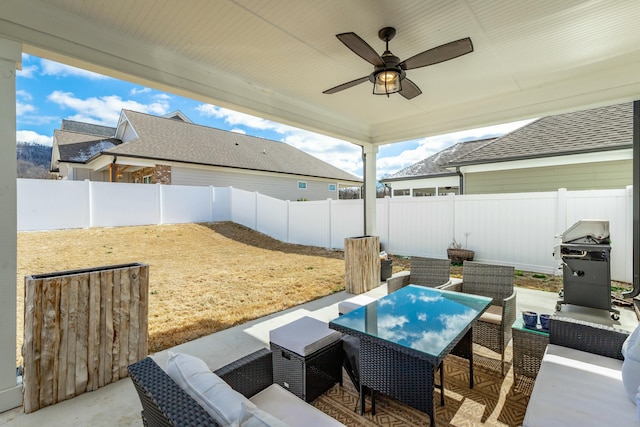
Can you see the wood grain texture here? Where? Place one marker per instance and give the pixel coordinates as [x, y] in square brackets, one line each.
[82, 329]
[362, 263]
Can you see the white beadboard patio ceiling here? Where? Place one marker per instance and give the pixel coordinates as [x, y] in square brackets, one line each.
[273, 59]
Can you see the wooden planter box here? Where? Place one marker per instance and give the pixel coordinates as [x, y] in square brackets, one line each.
[82, 329]
[362, 263]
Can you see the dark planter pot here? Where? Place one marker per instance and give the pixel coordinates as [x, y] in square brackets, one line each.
[386, 267]
[460, 255]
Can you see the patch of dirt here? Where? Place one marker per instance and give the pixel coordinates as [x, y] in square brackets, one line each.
[523, 279]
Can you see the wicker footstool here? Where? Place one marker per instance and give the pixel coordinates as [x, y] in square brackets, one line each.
[529, 346]
[307, 357]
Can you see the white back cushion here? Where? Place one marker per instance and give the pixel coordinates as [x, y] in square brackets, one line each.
[222, 402]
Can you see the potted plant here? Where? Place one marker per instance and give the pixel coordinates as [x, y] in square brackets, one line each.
[458, 253]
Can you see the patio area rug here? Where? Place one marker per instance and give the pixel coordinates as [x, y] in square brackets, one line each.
[493, 401]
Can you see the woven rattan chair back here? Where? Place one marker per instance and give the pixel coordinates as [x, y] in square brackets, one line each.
[431, 272]
[493, 281]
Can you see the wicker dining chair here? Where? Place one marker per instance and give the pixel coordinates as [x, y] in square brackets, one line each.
[431, 272]
[493, 329]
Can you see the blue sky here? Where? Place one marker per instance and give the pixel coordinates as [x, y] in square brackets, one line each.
[47, 92]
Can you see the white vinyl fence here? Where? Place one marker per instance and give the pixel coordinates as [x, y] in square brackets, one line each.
[511, 229]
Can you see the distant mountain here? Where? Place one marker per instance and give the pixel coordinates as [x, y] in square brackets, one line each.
[34, 160]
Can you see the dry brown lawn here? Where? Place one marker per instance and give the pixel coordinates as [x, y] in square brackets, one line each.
[202, 277]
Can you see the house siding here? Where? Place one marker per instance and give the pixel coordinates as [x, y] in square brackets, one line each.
[81, 174]
[585, 176]
[283, 188]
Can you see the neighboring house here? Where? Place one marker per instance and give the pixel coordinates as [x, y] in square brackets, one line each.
[430, 177]
[172, 150]
[583, 150]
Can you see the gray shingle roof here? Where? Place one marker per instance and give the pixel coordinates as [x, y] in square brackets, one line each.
[435, 165]
[76, 147]
[598, 129]
[173, 140]
[88, 128]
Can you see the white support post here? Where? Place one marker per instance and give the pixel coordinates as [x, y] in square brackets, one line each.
[10, 390]
[369, 152]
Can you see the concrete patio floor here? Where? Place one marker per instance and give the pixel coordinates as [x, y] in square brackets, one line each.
[118, 405]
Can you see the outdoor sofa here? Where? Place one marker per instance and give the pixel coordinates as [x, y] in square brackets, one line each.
[580, 378]
[165, 403]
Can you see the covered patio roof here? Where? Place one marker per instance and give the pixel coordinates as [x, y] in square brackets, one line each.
[274, 60]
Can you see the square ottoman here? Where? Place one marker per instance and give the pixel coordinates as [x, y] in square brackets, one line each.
[307, 357]
[353, 303]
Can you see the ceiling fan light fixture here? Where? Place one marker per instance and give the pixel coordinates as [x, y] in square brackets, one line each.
[386, 82]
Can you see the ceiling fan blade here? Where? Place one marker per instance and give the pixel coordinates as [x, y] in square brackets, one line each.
[347, 85]
[438, 54]
[360, 48]
[409, 89]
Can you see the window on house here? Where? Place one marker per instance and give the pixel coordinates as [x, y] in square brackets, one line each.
[147, 179]
[332, 187]
[424, 192]
[443, 191]
[401, 192]
[302, 185]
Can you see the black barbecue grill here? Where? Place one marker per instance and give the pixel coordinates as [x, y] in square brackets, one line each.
[586, 273]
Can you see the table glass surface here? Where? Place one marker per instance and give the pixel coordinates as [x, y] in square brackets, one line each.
[519, 325]
[417, 317]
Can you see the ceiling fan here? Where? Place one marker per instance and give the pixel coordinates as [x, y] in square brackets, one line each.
[388, 74]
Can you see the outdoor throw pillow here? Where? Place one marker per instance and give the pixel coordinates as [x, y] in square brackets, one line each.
[631, 364]
[222, 402]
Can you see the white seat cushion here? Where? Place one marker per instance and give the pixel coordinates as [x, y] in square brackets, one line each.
[304, 336]
[576, 388]
[353, 303]
[631, 364]
[287, 407]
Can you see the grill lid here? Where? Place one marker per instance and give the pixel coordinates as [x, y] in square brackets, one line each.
[590, 231]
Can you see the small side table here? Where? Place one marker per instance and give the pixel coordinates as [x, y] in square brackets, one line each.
[307, 357]
[529, 346]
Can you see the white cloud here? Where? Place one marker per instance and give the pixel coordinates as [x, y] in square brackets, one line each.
[347, 156]
[427, 147]
[104, 110]
[162, 97]
[341, 154]
[136, 91]
[31, 136]
[235, 118]
[27, 72]
[50, 68]
[23, 94]
[24, 108]
[38, 119]
[237, 130]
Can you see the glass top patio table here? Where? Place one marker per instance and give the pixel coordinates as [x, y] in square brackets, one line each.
[406, 335]
[426, 320]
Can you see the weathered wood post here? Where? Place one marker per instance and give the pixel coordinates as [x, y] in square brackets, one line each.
[82, 329]
[362, 263]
